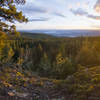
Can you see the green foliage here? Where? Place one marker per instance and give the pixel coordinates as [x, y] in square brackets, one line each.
[2, 35]
[45, 68]
[54, 58]
[63, 67]
[86, 82]
[88, 54]
[9, 13]
[6, 52]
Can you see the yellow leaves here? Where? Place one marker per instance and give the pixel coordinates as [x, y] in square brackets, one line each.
[91, 87]
[87, 79]
[6, 52]
[20, 61]
[41, 83]
[2, 44]
[10, 53]
[25, 84]
[60, 59]
[2, 35]
[40, 47]
[56, 81]
[19, 74]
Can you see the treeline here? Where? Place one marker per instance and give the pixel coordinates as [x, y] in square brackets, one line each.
[53, 58]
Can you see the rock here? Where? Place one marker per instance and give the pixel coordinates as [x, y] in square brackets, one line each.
[11, 93]
[22, 95]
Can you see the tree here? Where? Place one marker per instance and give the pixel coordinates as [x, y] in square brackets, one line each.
[9, 13]
[45, 68]
[63, 67]
[2, 35]
[89, 54]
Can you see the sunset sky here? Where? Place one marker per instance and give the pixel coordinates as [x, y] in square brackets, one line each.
[60, 14]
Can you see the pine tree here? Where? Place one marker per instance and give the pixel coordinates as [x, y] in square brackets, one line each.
[9, 13]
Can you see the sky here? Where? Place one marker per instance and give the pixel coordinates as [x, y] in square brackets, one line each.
[60, 14]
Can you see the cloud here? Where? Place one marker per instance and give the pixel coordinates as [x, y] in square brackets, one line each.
[81, 12]
[37, 9]
[38, 19]
[59, 14]
[29, 9]
[94, 17]
[42, 7]
[97, 6]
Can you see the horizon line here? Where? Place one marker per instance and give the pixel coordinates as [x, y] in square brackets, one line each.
[54, 29]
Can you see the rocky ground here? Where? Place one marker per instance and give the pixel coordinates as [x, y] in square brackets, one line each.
[18, 85]
[32, 92]
[15, 85]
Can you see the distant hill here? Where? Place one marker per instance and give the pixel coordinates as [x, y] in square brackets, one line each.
[66, 33]
[36, 35]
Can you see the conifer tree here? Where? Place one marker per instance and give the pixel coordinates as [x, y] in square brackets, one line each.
[9, 13]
